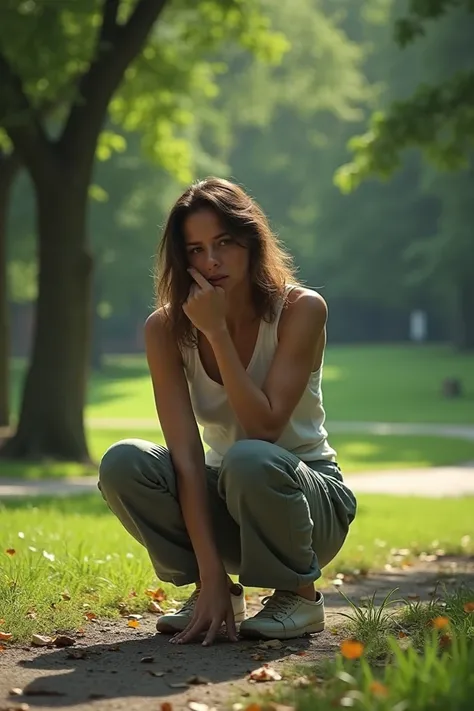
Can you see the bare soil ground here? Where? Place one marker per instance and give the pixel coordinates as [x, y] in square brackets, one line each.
[113, 666]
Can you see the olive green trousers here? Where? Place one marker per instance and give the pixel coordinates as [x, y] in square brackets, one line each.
[277, 521]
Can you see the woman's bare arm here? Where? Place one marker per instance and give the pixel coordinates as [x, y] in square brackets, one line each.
[181, 434]
[264, 412]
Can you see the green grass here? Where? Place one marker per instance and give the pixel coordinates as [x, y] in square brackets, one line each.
[434, 675]
[76, 545]
[393, 383]
[356, 453]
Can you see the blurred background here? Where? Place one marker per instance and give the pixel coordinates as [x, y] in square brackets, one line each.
[349, 121]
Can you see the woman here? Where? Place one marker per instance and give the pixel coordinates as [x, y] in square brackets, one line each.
[235, 346]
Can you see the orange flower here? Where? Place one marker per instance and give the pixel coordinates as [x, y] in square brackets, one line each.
[352, 649]
[469, 607]
[440, 623]
[378, 689]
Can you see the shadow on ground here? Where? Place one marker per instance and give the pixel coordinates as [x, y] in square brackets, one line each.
[114, 666]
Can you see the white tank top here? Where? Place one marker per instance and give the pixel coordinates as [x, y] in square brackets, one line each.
[304, 434]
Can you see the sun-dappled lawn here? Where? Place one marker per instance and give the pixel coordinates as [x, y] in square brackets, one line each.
[60, 559]
[393, 383]
[357, 453]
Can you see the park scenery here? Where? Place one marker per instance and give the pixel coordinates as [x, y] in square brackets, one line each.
[351, 123]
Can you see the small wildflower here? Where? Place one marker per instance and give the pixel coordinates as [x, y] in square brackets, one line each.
[378, 689]
[440, 623]
[352, 649]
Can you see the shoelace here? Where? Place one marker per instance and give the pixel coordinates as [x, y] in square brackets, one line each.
[278, 602]
[190, 602]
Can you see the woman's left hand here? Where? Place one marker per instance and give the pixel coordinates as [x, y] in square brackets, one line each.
[205, 305]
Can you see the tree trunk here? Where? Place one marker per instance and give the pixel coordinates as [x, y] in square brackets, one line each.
[51, 419]
[464, 330]
[8, 167]
[97, 353]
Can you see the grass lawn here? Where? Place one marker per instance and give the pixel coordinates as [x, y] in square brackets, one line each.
[61, 559]
[356, 453]
[393, 383]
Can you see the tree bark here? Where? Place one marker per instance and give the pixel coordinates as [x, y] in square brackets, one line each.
[51, 420]
[9, 165]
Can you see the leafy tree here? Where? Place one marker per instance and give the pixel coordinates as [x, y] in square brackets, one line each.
[90, 60]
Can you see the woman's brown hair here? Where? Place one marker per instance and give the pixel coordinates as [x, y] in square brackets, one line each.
[271, 267]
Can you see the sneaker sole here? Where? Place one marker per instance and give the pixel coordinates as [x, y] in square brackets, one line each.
[170, 628]
[283, 634]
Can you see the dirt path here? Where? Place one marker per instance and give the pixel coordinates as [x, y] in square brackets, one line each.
[433, 482]
[106, 670]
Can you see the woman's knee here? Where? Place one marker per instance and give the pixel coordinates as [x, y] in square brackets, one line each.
[119, 465]
[248, 461]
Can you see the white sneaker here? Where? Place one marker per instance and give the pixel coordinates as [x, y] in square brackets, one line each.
[286, 615]
[178, 621]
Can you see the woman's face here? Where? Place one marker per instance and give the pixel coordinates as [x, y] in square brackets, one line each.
[214, 253]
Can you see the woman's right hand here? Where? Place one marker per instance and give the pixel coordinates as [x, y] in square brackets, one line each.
[213, 607]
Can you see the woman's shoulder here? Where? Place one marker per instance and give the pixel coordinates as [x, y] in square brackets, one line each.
[304, 301]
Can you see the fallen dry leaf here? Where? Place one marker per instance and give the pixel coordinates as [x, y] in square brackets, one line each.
[133, 623]
[135, 617]
[270, 644]
[65, 595]
[10, 551]
[90, 616]
[5, 636]
[2, 648]
[63, 640]
[196, 706]
[166, 706]
[2, 622]
[158, 595]
[264, 673]
[154, 607]
[39, 640]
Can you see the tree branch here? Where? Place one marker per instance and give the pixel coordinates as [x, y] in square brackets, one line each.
[116, 48]
[21, 121]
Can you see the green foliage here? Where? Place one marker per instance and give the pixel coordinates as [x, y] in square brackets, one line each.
[439, 116]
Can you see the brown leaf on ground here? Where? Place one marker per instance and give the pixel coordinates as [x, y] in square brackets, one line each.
[158, 595]
[5, 636]
[154, 608]
[265, 673]
[133, 623]
[39, 640]
[166, 706]
[10, 551]
[63, 640]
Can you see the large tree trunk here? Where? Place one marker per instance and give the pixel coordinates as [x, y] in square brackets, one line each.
[8, 167]
[51, 418]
